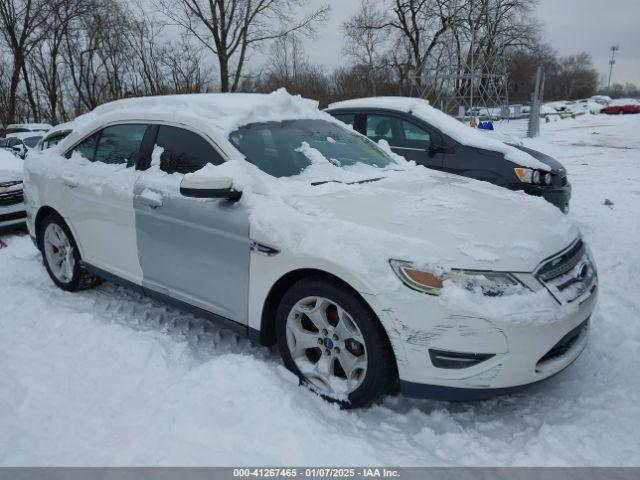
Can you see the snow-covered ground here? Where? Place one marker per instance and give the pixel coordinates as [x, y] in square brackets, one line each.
[107, 377]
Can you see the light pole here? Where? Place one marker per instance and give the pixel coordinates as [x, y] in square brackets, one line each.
[614, 49]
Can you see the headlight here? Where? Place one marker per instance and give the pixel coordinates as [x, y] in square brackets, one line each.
[528, 175]
[535, 176]
[417, 279]
[490, 283]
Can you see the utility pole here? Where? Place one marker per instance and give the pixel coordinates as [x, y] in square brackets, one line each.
[534, 111]
[614, 49]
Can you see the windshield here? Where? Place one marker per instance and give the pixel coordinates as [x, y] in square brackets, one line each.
[275, 147]
[32, 141]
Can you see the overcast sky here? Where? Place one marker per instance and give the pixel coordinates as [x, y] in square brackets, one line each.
[570, 26]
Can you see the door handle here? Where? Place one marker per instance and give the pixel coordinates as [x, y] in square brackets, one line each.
[150, 199]
[71, 182]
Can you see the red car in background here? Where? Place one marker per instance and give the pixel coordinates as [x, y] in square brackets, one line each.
[620, 106]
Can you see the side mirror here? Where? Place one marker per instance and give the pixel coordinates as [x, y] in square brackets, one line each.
[435, 149]
[202, 187]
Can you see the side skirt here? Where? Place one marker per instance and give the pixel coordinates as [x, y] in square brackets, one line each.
[252, 334]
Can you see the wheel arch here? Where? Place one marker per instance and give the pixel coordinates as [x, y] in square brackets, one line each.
[280, 287]
[43, 212]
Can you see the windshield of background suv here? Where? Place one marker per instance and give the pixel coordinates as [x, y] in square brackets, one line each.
[274, 147]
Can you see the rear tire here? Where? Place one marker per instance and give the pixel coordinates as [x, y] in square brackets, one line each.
[329, 333]
[61, 256]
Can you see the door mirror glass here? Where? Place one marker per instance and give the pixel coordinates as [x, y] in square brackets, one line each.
[200, 187]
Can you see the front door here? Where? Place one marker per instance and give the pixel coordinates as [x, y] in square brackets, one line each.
[192, 250]
[405, 138]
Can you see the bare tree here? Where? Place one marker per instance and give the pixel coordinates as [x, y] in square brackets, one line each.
[367, 45]
[47, 58]
[21, 22]
[230, 28]
[183, 68]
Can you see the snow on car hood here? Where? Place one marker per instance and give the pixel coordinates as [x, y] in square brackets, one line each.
[453, 222]
[10, 166]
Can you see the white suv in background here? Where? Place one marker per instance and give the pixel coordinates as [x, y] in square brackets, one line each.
[371, 275]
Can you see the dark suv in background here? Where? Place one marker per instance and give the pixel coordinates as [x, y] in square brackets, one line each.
[431, 138]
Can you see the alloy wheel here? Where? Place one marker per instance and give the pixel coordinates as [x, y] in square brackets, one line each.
[326, 346]
[59, 253]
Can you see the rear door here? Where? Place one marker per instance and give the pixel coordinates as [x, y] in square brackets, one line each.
[406, 138]
[98, 198]
[191, 250]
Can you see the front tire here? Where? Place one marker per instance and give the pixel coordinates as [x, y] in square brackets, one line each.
[334, 343]
[61, 256]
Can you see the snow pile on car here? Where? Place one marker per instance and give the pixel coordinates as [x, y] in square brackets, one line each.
[448, 125]
[10, 166]
[222, 111]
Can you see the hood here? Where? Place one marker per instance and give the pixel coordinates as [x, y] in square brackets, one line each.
[10, 166]
[555, 166]
[447, 221]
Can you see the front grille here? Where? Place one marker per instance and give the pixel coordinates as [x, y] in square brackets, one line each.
[565, 343]
[7, 217]
[562, 263]
[569, 275]
[11, 193]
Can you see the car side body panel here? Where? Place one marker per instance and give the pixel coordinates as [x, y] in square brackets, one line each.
[194, 250]
[100, 212]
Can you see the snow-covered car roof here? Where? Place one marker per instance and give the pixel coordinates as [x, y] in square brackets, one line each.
[223, 111]
[31, 126]
[460, 132]
[215, 114]
[621, 102]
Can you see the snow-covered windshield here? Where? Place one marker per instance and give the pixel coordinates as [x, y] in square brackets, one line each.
[282, 149]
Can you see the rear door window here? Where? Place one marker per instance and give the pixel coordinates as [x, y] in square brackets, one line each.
[184, 151]
[397, 132]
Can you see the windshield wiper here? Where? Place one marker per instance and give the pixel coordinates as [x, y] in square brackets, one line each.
[368, 180]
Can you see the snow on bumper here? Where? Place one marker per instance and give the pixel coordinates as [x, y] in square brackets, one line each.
[519, 354]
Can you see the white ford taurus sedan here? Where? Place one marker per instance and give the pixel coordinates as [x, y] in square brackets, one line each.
[370, 274]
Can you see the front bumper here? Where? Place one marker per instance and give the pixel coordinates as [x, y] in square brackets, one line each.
[12, 215]
[12, 208]
[522, 353]
[560, 196]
